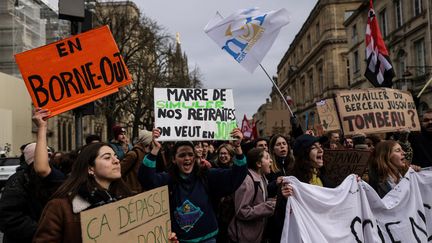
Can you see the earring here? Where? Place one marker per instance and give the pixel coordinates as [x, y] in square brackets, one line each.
[91, 173]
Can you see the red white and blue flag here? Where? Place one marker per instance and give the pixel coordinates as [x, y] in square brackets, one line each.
[379, 70]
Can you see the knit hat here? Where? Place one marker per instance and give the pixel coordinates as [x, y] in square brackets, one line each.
[117, 130]
[305, 141]
[29, 152]
[145, 137]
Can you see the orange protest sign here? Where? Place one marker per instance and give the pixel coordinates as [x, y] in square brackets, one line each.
[74, 71]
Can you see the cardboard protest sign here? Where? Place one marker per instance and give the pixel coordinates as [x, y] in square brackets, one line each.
[194, 114]
[328, 115]
[339, 164]
[376, 110]
[141, 218]
[74, 71]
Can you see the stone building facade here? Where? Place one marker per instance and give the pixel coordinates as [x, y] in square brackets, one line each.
[315, 64]
[406, 28]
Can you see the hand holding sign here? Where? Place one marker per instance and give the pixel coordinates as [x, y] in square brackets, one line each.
[156, 146]
[237, 135]
[40, 117]
[74, 71]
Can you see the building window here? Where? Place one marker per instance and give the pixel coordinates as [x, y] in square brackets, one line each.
[420, 57]
[311, 85]
[354, 33]
[301, 50]
[303, 88]
[356, 62]
[309, 42]
[399, 13]
[348, 72]
[317, 31]
[417, 7]
[383, 22]
[321, 80]
[402, 64]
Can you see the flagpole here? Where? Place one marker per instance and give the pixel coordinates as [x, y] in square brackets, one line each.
[427, 84]
[271, 80]
[278, 90]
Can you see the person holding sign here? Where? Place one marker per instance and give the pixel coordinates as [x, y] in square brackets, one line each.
[280, 152]
[387, 166]
[309, 156]
[95, 180]
[193, 187]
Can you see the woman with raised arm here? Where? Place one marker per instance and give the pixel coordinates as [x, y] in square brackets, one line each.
[192, 187]
[95, 180]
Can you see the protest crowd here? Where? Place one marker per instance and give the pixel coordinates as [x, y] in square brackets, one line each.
[198, 177]
[233, 192]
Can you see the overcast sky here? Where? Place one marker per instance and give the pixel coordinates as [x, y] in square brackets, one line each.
[219, 70]
[189, 17]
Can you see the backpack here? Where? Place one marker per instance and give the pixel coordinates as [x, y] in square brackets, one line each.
[226, 208]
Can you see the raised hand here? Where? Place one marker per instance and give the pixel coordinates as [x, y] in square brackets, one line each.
[156, 146]
[40, 117]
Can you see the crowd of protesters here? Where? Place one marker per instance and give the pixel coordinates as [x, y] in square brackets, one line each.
[220, 191]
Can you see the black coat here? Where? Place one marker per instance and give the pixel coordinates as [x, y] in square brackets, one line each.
[421, 144]
[22, 202]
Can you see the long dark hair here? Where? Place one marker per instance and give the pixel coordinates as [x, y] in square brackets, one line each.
[79, 175]
[288, 160]
[302, 167]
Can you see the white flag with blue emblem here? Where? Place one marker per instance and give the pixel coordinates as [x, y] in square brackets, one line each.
[248, 34]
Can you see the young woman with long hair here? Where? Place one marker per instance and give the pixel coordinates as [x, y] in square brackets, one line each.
[193, 188]
[280, 152]
[251, 201]
[309, 156]
[387, 166]
[95, 180]
[225, 155]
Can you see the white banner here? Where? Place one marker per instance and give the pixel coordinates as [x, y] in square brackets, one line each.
[248, 34]
[353, 212]
[194, 114]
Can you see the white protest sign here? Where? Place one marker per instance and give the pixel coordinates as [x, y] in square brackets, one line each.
[353, 212]
[194, 114]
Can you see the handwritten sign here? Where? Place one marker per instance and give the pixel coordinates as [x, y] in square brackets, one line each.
[141, 218]
[341, 163]
[328, 115]
[194, 114]
[74, 71]
[376, 110]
